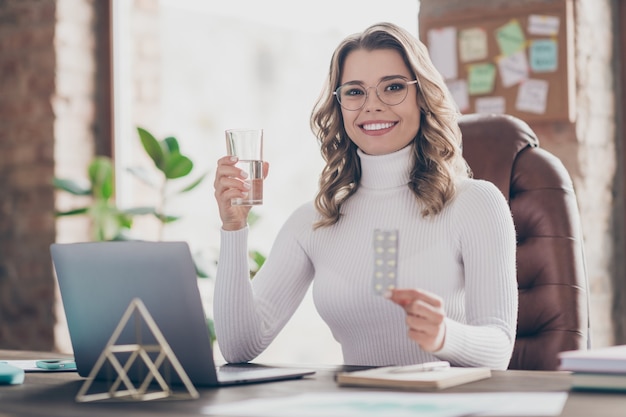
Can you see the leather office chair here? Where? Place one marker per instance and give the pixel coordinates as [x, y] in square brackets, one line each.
[551, 276]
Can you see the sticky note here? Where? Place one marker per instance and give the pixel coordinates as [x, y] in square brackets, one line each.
[543, 55]
[481, 78]
[473, 44]
[442, 49]
[458, 91]
[510, 38]
[532, 96]
[490, 105]
[513, 69]
[543, 25]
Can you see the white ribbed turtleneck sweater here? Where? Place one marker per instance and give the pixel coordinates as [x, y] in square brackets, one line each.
[465, 254]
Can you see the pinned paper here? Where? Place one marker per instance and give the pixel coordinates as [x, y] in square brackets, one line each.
[481, 78]
[490, 105]
[513, 69]
[510, 38]
[543, 55]
[472, 44]
[442, 48]
[543, 25]
[532, 96]
[458, 91]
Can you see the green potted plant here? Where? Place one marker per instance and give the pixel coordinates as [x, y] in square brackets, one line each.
[172, 165]
[108, 221]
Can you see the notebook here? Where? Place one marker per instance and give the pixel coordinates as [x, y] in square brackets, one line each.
[397, 377]
[611, 359]
[98, 281]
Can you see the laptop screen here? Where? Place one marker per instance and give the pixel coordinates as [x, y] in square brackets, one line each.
[98, 281]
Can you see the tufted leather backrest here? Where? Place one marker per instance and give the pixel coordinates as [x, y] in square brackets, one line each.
[551, 276]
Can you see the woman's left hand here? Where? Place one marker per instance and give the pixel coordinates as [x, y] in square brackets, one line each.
[424, 317]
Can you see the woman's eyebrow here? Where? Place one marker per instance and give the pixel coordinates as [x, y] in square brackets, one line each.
[353, 82]
[385, 78]
[390, 77]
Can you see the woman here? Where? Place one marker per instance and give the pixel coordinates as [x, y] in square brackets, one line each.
[389, 136]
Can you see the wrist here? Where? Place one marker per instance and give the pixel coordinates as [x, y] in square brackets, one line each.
[233, 227]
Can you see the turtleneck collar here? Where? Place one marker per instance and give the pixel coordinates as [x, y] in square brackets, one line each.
[386, 171]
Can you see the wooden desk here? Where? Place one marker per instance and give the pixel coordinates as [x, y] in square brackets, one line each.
[52, 394]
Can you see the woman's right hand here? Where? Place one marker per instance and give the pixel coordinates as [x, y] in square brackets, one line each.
[229, 183]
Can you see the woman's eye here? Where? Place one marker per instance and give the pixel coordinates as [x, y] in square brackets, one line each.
[354, 91]
[395, 87]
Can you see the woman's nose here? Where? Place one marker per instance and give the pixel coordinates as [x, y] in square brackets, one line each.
[372, 101]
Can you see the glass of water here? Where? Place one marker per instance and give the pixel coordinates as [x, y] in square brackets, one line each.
[247, 146]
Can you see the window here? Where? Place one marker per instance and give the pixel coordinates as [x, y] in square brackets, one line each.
[192, 68]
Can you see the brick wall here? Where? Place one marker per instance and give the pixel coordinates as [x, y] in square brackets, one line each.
[47, 105]
[27, 225]
[586, 147]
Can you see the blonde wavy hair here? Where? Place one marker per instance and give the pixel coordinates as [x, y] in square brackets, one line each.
[438, 160]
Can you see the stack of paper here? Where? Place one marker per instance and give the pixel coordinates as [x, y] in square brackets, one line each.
[601, 369]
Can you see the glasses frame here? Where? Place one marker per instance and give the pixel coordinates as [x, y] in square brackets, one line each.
[367, 92]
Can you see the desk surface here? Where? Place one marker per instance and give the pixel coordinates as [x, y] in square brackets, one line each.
[52, 394]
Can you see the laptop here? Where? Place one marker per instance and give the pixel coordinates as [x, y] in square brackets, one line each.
[98, 281]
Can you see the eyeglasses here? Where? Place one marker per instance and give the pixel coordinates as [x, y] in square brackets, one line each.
[391, 91]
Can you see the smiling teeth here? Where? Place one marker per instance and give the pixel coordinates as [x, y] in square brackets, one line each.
[377, 126]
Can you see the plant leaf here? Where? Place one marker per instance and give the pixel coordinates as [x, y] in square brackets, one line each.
[258, 258]
[123, 236]
[198, 263]
[253, 218]
[107, 221]
[139, 211]
[151, 146]
[125, 220]
[177, 166]
[170, 145]
[101, 176]
[194, 184]
[165, 218]
[74, 212]
[71, 186]
[169, 219]
[211, 326]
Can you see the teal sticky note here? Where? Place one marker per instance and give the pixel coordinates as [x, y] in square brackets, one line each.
[510, 38]
[543, 55]
[481, 78]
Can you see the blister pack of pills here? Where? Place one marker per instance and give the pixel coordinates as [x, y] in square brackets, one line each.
[385, 260]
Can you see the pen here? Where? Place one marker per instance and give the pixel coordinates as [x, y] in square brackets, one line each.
[422, 367]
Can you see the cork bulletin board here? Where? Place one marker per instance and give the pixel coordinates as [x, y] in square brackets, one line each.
[517, 60]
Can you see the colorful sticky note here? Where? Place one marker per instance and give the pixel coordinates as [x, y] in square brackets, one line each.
[510, 38]
[490, 105]
[442, 49]
[481, 78]
[513, 68]
[544, 55]
[532, 96]
[543, 25]
[458, 91]
[472, 44]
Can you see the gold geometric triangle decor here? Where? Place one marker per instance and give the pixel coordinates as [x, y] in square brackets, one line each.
[147, 390]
